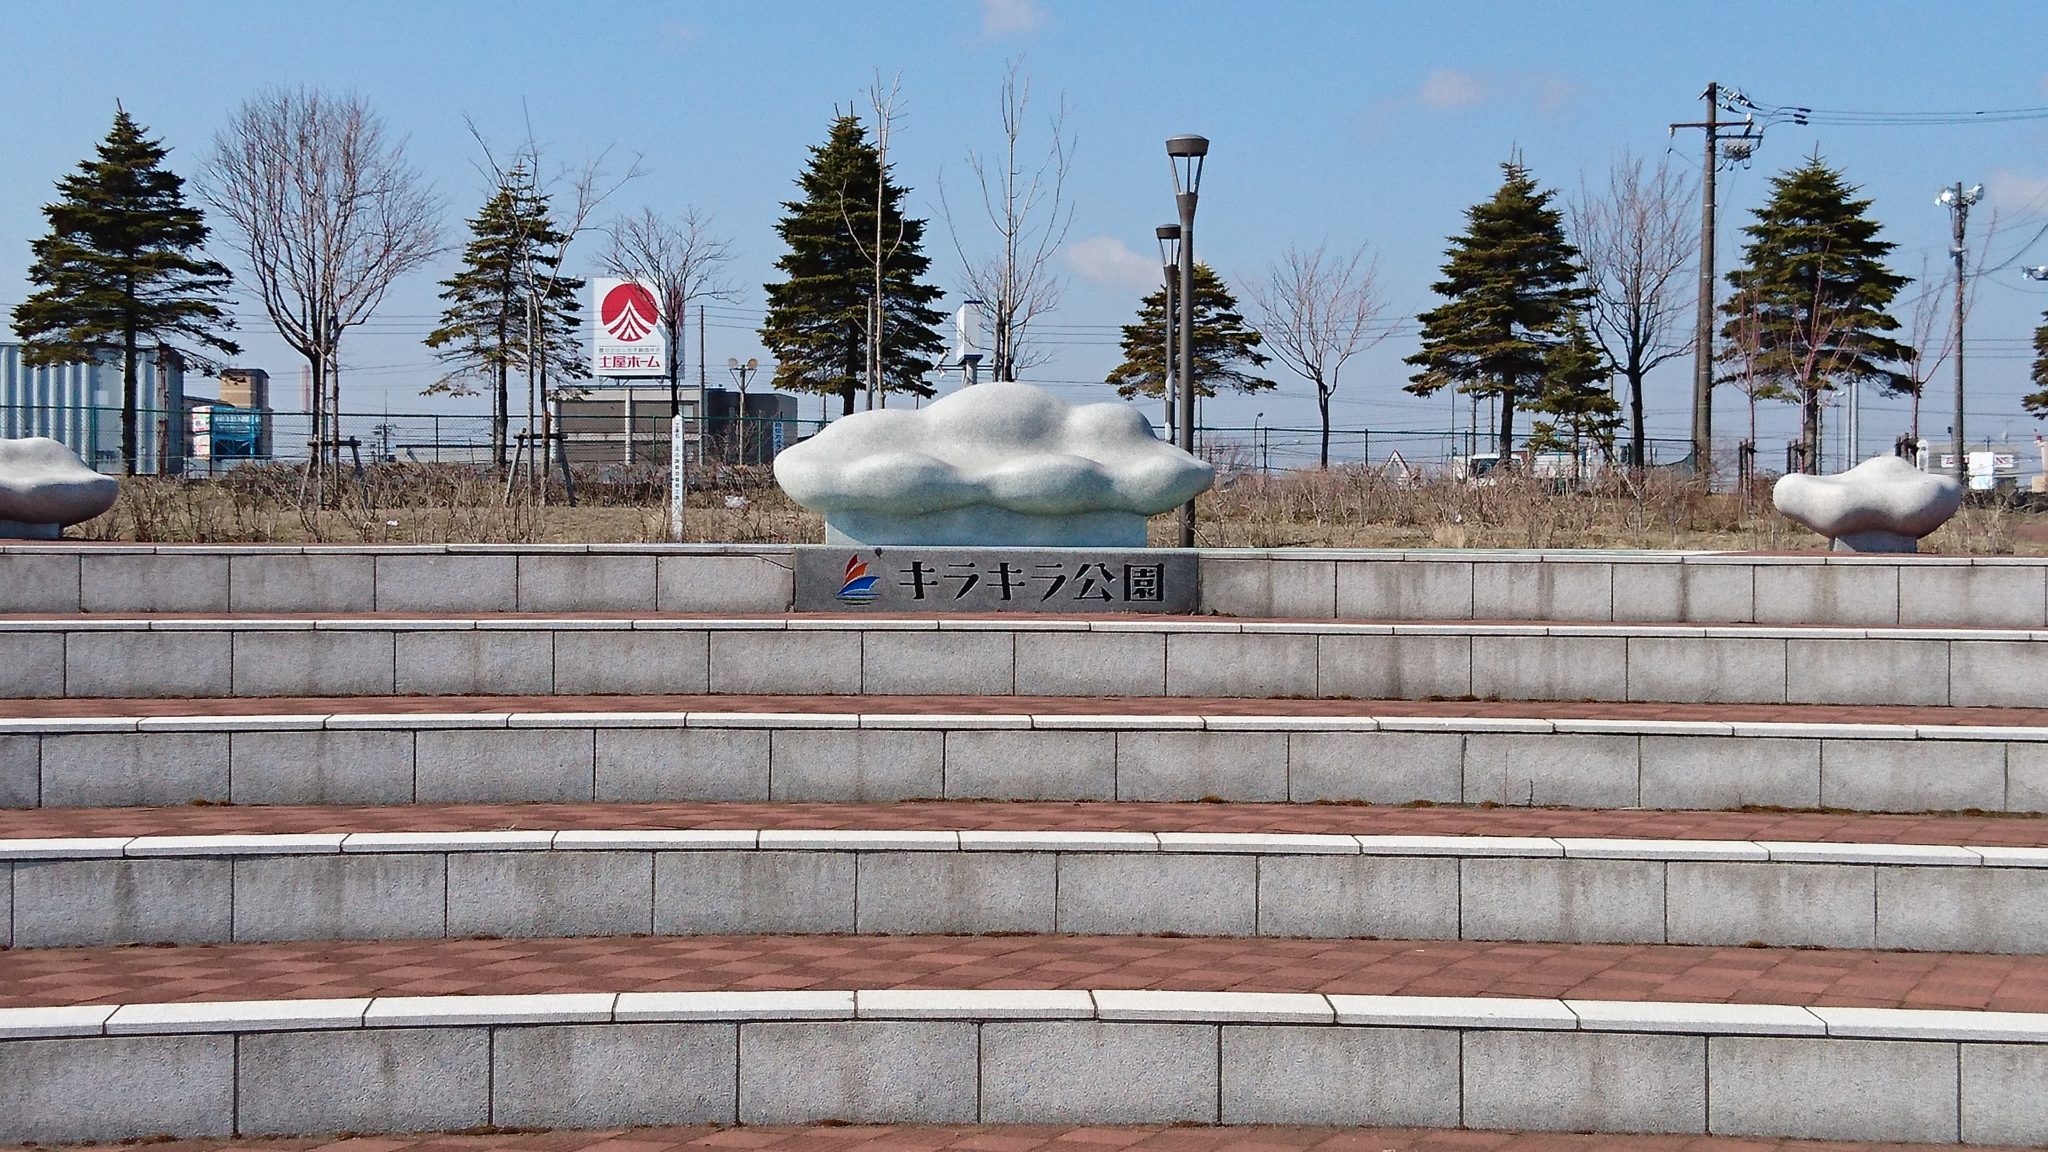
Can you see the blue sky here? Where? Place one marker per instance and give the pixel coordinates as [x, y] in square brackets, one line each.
[1347, 122]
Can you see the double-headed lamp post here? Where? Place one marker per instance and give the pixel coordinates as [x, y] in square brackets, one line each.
[1169, 263]
[1185, 154]
[1957, 200]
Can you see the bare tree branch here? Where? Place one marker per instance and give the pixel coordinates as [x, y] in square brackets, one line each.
[1316, 311]
[682, 259]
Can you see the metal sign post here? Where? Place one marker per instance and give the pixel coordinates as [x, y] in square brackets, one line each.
[676, 485]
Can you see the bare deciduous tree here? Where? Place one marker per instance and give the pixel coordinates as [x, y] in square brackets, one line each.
[327, 212]
[885, 108]
[1930, 331]
[1318, 309]
[1025, 201]
[682, 259]
[1636, 238]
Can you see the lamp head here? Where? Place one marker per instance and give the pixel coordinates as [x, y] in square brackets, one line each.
[1947, 197]
[1185, 154]
[732, 362]
[1167, 231]
[1169, 246]
[1187, 146]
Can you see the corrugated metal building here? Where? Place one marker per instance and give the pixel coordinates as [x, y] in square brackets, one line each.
[80, 406]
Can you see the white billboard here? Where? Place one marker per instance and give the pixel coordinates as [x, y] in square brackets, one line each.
[628, 340]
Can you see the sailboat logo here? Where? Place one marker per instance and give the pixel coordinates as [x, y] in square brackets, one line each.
[859, 587]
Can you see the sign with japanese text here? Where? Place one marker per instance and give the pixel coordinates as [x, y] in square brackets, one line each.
[628, 339]
[892, 579]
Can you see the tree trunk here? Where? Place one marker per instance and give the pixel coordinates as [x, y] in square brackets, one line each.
[846, 394]
[501, 397]
[128, 390]
[1809, 433]
[1637, 443]
[1323, 403]
[1507, 422]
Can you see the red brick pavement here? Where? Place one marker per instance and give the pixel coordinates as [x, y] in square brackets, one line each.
[35, 976]
[1032, 816]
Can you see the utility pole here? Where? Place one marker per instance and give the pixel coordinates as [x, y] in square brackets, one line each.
[1958, 200]
[1713, 127]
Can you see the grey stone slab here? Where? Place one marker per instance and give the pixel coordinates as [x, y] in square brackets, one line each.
[87, 903]
[1085, 1072]
[2002, 1101]
[314, 663]
[116, 1088]
[1963, 909]
[742, 584]
[1091, 664]
[1867, 671]
[1912, 775]
[343, 766]
[107, 769]
[364, 1080]
[1585, 1082]
[586, 582]
[475, 663]
[1867, 1089]
[706, 893]
[938, 663]
[2026, 777]
[1709, 772]
[1258, 665]
[1573, 901]
[864, 1071]
[40, 584]
[143, 664]
[1269, 587]
[1404, 589]
[36, 665]
[550, 893]
[480, 765]
[978, 892]
[1706, 670]
[302, 582]
[1375, 767]
[638, 662]
[1973, 595]
[1019, 764]
[1124, 893]
[856, 765]
[1506, 590]
[1390, 897]
[654, 764]
[153, 582]
[1550, 667]
[1821, 905]
[380, 896]
[1997, 673]
[1245, 766]
[1688, 593]
[1842, 595]
[1590, 771]
[20, 771]
[960, 579]
[799, 663]
[614, 1075]
[462, 582]
[1366, 667]
[1341, 1077]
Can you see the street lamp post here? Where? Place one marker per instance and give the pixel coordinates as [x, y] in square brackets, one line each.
[1169, 262]
[1958, 200]
[1186, 155]
[743, 373]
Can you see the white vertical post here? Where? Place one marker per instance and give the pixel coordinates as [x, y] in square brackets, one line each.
[676, 487]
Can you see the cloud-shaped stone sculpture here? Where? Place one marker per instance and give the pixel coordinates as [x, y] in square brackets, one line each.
[44, 486]
[1881, 505]
[998, 464]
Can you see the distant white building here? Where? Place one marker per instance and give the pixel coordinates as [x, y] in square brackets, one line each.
[79, 405]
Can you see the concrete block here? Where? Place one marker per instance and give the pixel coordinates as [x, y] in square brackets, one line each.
[1973, 596]
[107, 769]
[2026, 777]
[1912, 775]
[376, 896]
[367, 1080]
[1395, 898]
[1706, 670]
[137, 664]
[66, 903]
[467, 766]
[706, 893]
[620, 662]
[1820, 905]
[1366, 667]
[153, 582]
[1550, 667]
[1126, 893]
[342, 766]
[475, 663]
[814, 663]
[586, 582]
[2002, 1101]
[310, 663]
[938, 663]
[1245, 766]
[1085, 1072]
[20, 771]
[116, 1088]
[1841, 595]
[1341, 1077]
[1257, 665]
[1997, 673]
[614, 1075]
[1404, 589]
[1586, 1082]
[1004, 764]
[977, 892]
[865, 1071]
[1508, 590]
[36, 665]
[30, 583]
[1708, 772]
[461, 582]
[1263, 587]
[1867, 671]
[655, 764]
[1091, 663]
[1963, 909]
[861, 765]
[1833, 1089]
[1375, 767]
[1592, 771]
[550, 893]
[1687, 593]
[325, 582]
[1570, 901]
[738, 584]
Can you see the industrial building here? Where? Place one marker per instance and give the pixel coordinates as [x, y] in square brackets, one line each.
[79, 405]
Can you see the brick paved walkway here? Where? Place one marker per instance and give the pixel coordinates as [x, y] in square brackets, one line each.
[1802, 976]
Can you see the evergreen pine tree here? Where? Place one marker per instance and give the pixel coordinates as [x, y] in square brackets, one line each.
[122, 265]
[2036, 403]
[1226, 348]
[819, 317]
[1510, 285]
[1808, 308]
[1575, 394]
[486, 334]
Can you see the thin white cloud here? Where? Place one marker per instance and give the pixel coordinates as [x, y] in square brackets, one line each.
[2012, 192]
[1000, 18]
[1108, 261]
[1450, 88]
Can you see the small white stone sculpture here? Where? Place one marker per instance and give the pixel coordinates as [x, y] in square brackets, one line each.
[1881, 505]
[45, 486]
[992, 465]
